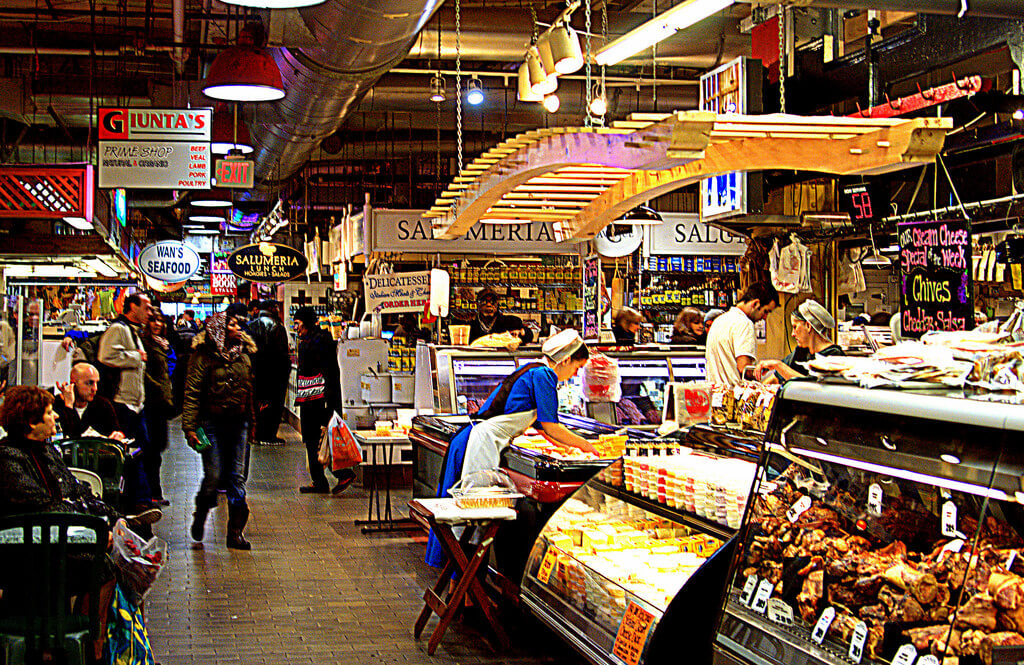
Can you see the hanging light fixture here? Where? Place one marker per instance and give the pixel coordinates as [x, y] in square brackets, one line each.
[876, 259]
[226, 135]
[475, 91]
[563, 45]
[598, 102]
[642, 215]
[524, 92]
[540, 82]
[244, 72]
[437, 85]
[274, 4]
[552, 103]
[212, 198]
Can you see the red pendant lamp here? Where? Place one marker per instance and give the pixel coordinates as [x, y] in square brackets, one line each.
[244, 72]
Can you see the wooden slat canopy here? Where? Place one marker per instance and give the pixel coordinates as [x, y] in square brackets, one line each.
[582, 179]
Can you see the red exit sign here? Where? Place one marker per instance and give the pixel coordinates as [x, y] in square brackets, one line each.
[234, 173]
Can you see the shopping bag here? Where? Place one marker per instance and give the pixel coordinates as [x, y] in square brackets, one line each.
[127, 642]
[323, 455]
[140, 561]
[345, 450]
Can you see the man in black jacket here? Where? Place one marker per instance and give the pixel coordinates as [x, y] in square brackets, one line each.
[271, 366]
[490, 321]
[80, 408]
[318, 396]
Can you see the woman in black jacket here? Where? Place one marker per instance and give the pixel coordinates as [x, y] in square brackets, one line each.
[159, 406]
[318, 396]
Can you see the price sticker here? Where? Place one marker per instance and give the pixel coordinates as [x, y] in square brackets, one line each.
[905, 655]
[780, 612]
[632, 636]
[875, 499]
[767, 487]
[949, 519]
[764, 592]
[928, 659]
[860, 635]
[828, 615]
[748, 590]
[547, 564]
[798, 508]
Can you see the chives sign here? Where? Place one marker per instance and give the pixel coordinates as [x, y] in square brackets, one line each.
[168, 261]
[267, 263]
[936, 291]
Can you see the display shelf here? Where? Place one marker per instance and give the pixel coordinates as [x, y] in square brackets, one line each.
[527, 311]
[690, 272]
[661, 510]
[519, 285]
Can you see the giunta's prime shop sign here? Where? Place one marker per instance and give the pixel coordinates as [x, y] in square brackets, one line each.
[267, 263]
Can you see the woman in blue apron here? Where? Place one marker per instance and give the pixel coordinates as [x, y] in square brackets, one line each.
[527, 397]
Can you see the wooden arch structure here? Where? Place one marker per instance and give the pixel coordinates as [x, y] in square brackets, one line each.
[582, 179]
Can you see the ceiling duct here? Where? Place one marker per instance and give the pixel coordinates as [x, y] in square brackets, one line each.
[355, 43]
[986, 8]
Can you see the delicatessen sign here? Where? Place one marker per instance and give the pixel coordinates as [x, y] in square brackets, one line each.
[397, 292]
[267, 263]
[936, 290]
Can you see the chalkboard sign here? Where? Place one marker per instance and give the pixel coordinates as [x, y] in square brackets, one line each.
[936, 291]
[591, 297]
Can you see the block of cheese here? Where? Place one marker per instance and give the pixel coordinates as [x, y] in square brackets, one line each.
[591, 537]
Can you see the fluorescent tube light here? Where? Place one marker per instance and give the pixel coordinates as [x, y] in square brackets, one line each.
[80, 223]
[938, 481]
[204, 232]
[98, 266]
[658, 28]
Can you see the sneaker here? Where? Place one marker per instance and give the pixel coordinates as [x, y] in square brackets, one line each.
[315, 489]
[151, 516]
[342, 485]
[161, 502]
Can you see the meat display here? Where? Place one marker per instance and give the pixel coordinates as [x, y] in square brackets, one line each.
[959, 599]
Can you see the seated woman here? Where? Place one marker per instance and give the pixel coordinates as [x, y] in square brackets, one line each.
[689, 327]
[811, 325]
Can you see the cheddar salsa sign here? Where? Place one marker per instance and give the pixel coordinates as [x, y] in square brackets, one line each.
[267, 263]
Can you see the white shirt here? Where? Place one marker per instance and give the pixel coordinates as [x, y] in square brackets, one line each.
[731, 336]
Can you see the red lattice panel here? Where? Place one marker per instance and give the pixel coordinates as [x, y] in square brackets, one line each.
[45, 192]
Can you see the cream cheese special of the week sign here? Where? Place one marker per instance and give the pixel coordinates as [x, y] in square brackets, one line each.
[154, 148]
[397, 292]
[684, 234]
[407, 231]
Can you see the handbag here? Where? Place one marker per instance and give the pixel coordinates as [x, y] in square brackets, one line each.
[345, 450]
[323, 455]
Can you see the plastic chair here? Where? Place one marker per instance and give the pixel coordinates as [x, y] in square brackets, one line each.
[104, 457]
[90, 478]
[45, 559]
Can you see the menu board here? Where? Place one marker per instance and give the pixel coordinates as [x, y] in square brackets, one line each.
[591, 297]
[936, 292]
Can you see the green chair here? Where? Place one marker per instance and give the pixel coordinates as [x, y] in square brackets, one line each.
[45, 559]
[104, 457]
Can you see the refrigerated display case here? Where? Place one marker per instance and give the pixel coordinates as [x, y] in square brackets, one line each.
[624, 570]
[885, 526]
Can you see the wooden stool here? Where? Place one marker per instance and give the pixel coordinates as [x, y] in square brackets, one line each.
[441, 515]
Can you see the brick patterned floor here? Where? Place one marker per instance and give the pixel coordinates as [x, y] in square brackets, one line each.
[313, 589]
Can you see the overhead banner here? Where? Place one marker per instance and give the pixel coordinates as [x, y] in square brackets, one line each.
[397, 292]
[936, 289]
[154, 148]
[407, 231]
[267, 263]
[686, 235]
[168, 261]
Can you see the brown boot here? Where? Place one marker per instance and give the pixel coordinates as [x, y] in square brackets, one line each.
[237, 518]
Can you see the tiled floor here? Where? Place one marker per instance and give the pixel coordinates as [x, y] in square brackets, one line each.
[313, 589]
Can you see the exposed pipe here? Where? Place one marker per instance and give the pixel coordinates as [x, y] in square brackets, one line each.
[986, 8]
[179, 55]
[357, 42]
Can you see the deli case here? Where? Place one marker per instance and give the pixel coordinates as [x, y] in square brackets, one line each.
[629, 569]
[885, 526]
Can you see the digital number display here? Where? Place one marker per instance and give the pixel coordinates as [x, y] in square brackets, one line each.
[858, 200]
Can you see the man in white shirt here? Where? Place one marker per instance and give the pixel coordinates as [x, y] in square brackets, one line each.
[731, 347]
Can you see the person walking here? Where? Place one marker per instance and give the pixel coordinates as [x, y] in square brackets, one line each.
[318, 396]
[731, 345]
[159, 404]
[219, 404]
[271, 366]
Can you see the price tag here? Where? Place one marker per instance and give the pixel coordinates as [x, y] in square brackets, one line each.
[764, 592]
[748, 590]
[928, 659]
[949, 519]
[798, 508]
[875, 499]
[547, 564]
[780, 612]
[632, 635]
[717, 399]
[860, 635]
[767, 487]
[822, 626]
[1010, 559]
[905, 655]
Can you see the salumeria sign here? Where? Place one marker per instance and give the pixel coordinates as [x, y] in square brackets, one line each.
[407, 231]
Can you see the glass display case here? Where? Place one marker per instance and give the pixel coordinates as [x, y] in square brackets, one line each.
[885, 526]
[623, 570]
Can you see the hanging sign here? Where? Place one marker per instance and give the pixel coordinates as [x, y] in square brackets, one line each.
[267, 263]
[936, 289]
[238, 173]
[408, 231]
[154, 148]
[632, 636]
[168, 261]
[685, 235]
[617, 240]
[397, 292]
[591, 297]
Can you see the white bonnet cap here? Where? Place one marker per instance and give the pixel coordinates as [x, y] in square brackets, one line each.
[816, 316]
[560, 346]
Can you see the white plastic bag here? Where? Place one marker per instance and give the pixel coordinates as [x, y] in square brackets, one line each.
[601, 379]
[140, 561]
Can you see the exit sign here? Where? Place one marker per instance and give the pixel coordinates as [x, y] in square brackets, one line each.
[234, 173]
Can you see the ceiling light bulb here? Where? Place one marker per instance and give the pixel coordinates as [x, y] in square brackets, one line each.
[437, 86]
[564, 45]
[273, 4]
[950, 459]
[244, 74]
[551, 103]
[212, 198]
[540, 82]
[598, 105]
[1018, 114]
[523, 91]
[475, 94]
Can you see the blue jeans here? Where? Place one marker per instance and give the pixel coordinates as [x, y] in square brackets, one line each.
[227, 459]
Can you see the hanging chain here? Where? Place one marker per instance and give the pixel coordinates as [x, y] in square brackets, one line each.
[458, 80]
[782, 58]
[586, 60]
[533, 19]
[604, 42]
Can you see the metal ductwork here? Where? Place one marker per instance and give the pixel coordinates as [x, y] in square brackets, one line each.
[979, 8]
[354, 43]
